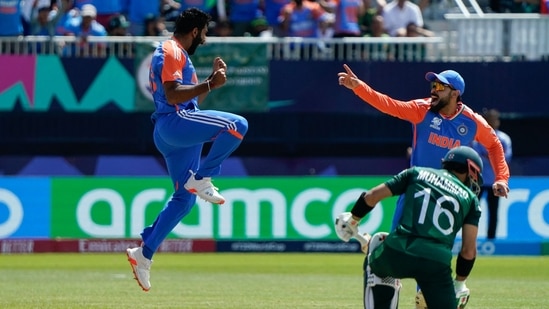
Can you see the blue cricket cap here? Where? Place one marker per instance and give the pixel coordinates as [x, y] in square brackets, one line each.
[448, 77]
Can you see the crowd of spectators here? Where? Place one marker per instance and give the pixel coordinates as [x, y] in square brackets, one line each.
[306, 18]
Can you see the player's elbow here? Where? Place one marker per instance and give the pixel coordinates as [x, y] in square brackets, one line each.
[172, 97]
[171, 93]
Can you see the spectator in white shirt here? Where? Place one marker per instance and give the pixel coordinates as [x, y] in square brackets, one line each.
[398, 14]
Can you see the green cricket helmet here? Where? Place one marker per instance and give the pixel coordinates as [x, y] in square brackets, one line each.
[464, 159]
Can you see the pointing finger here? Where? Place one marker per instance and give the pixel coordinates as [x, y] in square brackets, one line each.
[349, 71]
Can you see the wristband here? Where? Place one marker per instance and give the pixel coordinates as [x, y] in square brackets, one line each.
[209, 89]
[463, 266]
[361, 209]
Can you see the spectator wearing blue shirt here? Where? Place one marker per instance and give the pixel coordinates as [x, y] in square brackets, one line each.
[44, 20]
[69, 15]
[10, 18]
[272, 14]
[242, 14]
[86, 26]
[107, 9]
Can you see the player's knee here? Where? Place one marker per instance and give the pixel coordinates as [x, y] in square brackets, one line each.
[241, 125]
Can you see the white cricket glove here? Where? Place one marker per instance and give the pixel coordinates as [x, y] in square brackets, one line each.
[346, 227]
[462, 294]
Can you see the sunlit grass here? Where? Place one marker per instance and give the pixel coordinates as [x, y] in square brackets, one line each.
[250, 280]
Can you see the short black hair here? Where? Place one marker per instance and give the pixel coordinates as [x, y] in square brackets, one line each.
[189, 19]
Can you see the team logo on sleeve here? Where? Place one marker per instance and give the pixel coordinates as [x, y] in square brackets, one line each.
[435, 123]
[462, 129]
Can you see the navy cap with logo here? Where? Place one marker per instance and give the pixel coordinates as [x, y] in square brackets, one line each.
[118, 21]
[448, 77]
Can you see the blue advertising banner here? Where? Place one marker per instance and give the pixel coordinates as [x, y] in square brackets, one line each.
[25, 207]
[524, 215]
[503, 247]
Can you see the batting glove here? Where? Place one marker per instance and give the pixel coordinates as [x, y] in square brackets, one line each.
[346, 227]
[462, 294]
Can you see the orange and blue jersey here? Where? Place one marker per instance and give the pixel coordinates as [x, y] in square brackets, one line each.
[10, 18]
[272, 11]
[171, 62]
[304, 21]
[180, 132]
[346, 21]
[488, 173]
[435, 134]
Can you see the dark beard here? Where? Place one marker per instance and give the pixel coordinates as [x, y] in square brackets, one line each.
[197, 41]
[442, 102]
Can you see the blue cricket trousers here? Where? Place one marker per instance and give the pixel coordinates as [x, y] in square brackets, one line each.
[180, 137]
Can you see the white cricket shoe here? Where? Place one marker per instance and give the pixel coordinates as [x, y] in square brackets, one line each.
[141, 267]
[204, 189]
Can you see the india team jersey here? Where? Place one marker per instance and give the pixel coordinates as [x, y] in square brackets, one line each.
[435, 134]
[436, 205]
[170, 62]
[304, 20]
[347, 17]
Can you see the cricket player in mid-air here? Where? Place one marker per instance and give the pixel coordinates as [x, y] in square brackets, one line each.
[439, 123]
[181, 129]
[438, 203]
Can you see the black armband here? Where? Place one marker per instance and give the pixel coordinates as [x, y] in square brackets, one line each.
[361, 209]
[463, 266]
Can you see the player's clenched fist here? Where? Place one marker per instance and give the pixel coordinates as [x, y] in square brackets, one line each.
[348, 78]
[500, 188]
[219, 64]
[219, 78]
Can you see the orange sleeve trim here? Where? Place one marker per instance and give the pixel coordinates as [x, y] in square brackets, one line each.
[487, 137]
[413, 111]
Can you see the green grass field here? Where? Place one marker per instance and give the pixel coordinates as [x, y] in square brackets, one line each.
[231, 280]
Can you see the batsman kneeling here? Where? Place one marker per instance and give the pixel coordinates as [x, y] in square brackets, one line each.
[438, 203]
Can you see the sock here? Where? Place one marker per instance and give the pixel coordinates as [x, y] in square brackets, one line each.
[198, 177]
[147, 252]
